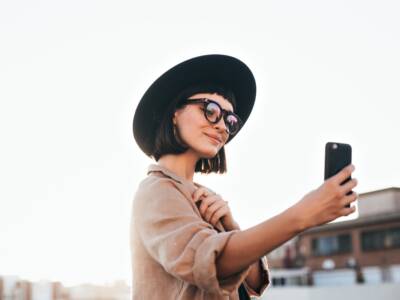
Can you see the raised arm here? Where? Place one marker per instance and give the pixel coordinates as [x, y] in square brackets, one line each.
[318, 207]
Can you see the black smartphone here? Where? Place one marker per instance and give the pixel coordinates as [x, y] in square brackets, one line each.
[337, 156]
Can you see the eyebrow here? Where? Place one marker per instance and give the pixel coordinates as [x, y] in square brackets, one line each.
[221, 105]
[213, 101]
[227, 109]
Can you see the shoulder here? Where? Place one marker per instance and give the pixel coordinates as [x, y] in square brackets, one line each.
[154, 191]
[155, 185]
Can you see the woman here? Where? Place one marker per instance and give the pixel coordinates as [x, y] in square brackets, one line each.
[185, 243]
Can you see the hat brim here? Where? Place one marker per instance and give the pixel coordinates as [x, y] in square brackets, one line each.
[225, 70]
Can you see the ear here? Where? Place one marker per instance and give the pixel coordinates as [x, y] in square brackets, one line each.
[175, 117]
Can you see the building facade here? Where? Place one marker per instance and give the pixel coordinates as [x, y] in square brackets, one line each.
[366, 249]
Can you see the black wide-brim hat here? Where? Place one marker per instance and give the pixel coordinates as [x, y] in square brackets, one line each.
[224, 70]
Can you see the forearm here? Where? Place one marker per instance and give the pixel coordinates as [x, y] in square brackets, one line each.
[255, 278]
[246, 247]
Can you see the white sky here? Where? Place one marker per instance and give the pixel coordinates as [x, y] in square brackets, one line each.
[72, 73]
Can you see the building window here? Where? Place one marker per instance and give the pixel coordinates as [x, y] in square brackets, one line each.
[394, 237]
[380, 239]
[278, 281]
[330, 245]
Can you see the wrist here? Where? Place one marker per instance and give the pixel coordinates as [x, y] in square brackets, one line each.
[297, 219]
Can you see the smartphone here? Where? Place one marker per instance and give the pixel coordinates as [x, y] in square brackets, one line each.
[337, 156]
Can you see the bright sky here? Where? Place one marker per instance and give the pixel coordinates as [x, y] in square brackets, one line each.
[72, 73]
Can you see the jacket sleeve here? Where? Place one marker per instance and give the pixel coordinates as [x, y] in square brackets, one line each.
[177, 238]
[265, 283]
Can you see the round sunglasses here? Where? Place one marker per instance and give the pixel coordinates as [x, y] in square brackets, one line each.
[213, 112]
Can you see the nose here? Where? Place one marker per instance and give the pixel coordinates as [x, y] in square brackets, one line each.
[221, 126]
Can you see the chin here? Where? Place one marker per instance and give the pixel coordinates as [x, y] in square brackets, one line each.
[208, 153]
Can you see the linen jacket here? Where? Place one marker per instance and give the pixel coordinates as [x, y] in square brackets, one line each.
[173, 250]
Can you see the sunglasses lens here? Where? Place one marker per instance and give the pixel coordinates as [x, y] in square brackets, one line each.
[212, 112]
[232, 123]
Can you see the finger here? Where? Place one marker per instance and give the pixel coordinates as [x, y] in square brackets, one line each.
[213, 208]
[218, 214]
[349, 199]
[208, 202]
[205, 203]
[343, 174]
[348, 186]
[347, 210]
[198, 193]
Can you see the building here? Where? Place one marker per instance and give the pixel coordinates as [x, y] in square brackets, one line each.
[366, 249]
[14, 288]
[118, 290]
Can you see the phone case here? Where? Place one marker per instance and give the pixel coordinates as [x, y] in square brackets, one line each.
[337, 156]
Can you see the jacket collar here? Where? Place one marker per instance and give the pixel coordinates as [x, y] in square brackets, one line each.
[193, 185]
[172, 175]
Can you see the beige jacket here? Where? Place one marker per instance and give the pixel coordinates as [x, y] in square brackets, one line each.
[173, 249]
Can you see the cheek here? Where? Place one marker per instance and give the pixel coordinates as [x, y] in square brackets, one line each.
[192, 125]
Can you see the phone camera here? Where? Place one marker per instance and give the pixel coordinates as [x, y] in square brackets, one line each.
[335, 146]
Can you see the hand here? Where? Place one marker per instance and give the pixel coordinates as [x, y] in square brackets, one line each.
[327, 202]
[213, 208]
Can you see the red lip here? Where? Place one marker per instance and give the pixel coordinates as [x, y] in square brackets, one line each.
[215, 137]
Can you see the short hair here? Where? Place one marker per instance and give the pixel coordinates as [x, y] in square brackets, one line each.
[167, 143]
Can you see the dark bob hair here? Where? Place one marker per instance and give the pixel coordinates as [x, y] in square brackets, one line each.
[167, 143]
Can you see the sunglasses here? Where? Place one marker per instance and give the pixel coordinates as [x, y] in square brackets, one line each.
[213, 112]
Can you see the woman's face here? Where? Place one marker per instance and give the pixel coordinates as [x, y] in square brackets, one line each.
[196, 132]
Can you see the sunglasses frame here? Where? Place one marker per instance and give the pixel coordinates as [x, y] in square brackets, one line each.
[224, 113]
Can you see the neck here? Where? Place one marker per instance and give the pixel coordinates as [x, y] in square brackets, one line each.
[182, 165]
